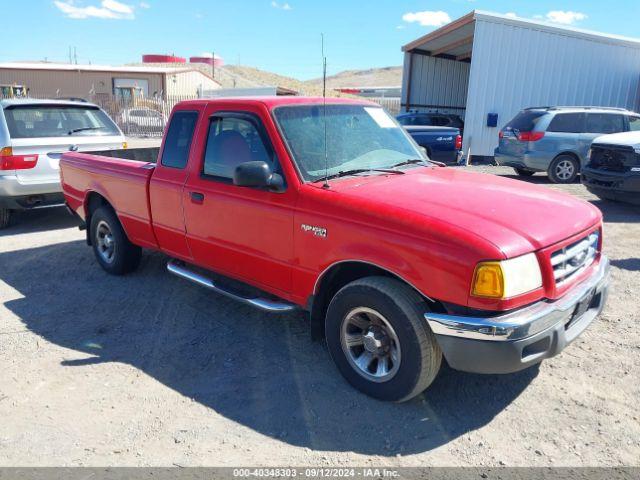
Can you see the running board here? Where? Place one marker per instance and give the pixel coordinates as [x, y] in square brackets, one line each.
[264, 304]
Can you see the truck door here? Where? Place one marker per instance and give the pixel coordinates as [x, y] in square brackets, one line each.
[243, 232]
[167, 181]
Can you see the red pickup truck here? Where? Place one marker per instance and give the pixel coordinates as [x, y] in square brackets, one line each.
[290, 203]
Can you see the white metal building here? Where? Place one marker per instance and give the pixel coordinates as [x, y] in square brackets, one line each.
[486, 63]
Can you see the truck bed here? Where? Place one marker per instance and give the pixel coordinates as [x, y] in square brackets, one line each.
[119, 176]
[438, 141]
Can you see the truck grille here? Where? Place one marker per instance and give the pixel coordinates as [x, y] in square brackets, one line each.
[575, 257]
[613, 158]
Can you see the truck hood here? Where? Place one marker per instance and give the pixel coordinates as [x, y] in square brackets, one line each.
[515, 216]
[628, 139]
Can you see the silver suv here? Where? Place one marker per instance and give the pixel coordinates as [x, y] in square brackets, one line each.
[556, 140]
[33, 135]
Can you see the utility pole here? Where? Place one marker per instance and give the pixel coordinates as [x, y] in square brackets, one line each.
[213, 64]
[75, 55]
[70, 59]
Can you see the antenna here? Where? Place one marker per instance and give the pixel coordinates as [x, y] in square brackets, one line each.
[324, 114]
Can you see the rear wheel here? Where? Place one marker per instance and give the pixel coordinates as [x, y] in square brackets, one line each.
[113, 250]
[379, 340]
[524, 173]
[5, 217]
[564, 169]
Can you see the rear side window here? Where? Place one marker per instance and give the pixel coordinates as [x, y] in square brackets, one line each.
[634, 124]
[42, 121]
[604, 123]
[567, 123]
[525, 121]
[178, 139]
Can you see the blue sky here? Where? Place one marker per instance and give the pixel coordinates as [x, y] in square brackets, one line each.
[279, 36]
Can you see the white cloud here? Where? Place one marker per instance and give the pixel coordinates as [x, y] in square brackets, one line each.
[144, 5]
[281, 6]
[400, 27]
[511, 15]
[427, 18]
[565, 18]
[110, 9]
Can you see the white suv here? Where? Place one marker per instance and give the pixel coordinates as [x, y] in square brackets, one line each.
[33, 135]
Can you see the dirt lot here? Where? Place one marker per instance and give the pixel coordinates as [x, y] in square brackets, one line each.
[150, 370]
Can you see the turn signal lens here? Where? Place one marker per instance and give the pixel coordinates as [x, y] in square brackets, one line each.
[488, 280]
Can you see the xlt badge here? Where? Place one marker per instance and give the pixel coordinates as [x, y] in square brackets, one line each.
[317, 231]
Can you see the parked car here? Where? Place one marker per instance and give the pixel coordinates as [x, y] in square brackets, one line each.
[556, 140]
[33, 135]
[442, 144]
[613, 170]
[140, 120]
[432, 119]
[398, 262]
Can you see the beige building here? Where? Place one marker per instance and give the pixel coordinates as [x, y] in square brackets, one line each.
[96, 81]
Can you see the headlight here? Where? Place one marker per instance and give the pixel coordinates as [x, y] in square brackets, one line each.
[589, 155]
[507, 278]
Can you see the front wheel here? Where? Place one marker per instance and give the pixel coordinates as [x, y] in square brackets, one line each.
[379, 340]
[564, 169]
[113, 250]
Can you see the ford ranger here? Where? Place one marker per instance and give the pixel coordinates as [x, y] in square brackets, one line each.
[290, 203]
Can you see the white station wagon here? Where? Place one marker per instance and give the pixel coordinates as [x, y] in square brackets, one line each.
[33, 136]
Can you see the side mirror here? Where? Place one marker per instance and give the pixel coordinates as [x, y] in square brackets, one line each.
[257, 174]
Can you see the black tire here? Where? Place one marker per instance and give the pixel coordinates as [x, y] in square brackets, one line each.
[524, 173]
[400, 306]
[124, 257]
[5, 217]
[564, 169]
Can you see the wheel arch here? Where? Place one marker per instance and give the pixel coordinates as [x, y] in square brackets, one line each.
[93, 201]
[569, 153]
[339, 274]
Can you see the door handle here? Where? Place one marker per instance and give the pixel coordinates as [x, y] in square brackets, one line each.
[197, 197]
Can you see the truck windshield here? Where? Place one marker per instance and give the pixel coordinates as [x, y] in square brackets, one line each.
[359, 137]
[38, 121]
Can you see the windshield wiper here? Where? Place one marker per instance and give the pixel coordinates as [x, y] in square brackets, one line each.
[355, 171]
[411, 161]
[423, 161]
[83, 129]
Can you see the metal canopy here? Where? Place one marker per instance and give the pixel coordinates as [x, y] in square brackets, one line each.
[453, 41]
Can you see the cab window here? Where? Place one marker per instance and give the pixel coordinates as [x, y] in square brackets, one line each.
[234, 139]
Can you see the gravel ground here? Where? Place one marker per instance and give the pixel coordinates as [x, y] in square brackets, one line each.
[151, 370]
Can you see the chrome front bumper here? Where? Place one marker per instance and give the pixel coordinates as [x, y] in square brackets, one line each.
[520, 338]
